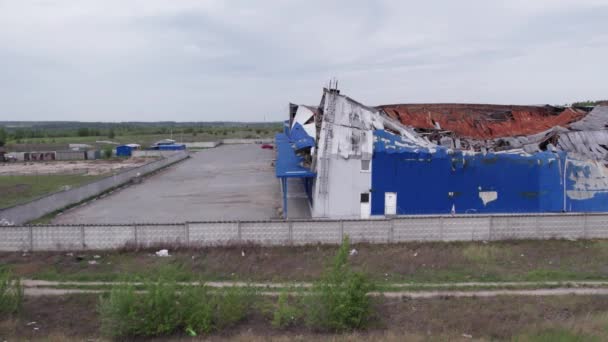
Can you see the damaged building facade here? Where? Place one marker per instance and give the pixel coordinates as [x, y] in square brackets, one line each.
[358, 161]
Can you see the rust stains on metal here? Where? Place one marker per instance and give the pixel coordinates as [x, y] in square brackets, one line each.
[483, 121]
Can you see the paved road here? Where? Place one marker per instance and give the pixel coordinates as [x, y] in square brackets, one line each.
[230, 182]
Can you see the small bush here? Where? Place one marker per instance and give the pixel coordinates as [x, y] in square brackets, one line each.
[339, 301]
[107, 152]
[199, 310]
[163, 308]
[11, 293]
[285, 314]
[151, 313]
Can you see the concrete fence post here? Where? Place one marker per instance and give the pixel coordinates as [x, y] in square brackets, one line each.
[585, 226]
[135, 237]
[441, 234]
[290, 232]
[341, 231]
[82, 243]
[187, 233]
[539, 231]
[239, 233]
[391, 231]
[31, 238]
[491, 229]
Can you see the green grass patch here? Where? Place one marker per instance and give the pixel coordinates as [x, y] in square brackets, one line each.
[557, 335]
[21, 189]
[11, 293]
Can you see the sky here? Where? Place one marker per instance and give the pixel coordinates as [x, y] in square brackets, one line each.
[223, 60]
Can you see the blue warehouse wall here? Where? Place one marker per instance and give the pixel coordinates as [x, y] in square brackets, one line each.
[432, 182]
[586, 186]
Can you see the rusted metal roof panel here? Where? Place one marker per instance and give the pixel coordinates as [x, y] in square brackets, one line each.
[483, 121]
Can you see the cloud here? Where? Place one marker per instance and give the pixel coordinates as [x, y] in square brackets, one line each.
[242, 60]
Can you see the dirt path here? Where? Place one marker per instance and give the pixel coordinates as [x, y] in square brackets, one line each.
[50, 288]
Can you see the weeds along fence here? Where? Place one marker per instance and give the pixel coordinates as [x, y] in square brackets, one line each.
[22, 213]
[303, 232]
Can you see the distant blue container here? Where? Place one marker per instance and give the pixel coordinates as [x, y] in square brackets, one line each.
[172, 147]
[124, 151]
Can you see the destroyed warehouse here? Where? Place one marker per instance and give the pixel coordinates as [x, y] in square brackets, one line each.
[357, 161]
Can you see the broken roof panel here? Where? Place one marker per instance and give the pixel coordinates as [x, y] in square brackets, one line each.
[597, 119]
[482, 121]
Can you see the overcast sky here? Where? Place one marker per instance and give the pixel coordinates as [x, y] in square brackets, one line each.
[149, 60]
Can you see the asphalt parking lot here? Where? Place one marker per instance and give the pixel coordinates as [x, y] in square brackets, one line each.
[229, 182]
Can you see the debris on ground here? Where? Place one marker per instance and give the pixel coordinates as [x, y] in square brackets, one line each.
[92, 262]
[96, 256]
[242, 253]
[353, 252]
[162, 253]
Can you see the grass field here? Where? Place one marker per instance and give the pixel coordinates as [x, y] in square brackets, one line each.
[145, 140]
[566, 319]
[550, 260]
[20, 189]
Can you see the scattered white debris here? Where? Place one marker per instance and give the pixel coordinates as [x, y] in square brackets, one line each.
[30, 323]
[92, 262]
[467, 336]
[69, 254]
[162, 253]
[416, 254]
[5, 222]
[242, 253]
[522, 255]
[96, 256]
[353, 252]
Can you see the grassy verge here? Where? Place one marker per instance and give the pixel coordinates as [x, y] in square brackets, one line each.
[21, 189]
[414, 263]
[564, 318]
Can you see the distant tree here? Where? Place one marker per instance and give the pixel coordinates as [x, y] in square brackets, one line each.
[83, 132]
[111, 133]
[3, 137]
[19, 134]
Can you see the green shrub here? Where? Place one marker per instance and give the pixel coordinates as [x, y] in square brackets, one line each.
[107, 152]
[285, 314]
[234, 303]
[163, 308]
[339, 301]
[153, 312]
[199, 310]
[11, 293]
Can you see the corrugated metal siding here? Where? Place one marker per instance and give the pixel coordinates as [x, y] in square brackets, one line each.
[493, 183]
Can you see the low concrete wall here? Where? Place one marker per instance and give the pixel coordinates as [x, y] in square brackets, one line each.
[151, 153]
[202, 144]
[247, 141]
[302, 232]
[22, 213]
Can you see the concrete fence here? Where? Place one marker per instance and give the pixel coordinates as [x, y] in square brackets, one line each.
[32, 210]
[402, 229]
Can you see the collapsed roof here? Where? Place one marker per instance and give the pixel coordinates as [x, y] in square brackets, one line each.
[580, 131]
[482, 127]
